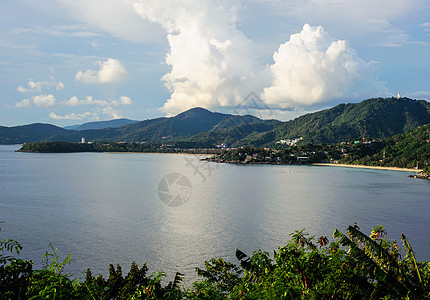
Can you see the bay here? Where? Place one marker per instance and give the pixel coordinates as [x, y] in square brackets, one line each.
[106, 207]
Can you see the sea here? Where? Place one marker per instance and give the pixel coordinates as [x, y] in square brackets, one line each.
[174, 212]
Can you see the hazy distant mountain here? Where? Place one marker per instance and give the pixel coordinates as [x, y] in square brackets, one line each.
[28, 133]
[101, 124]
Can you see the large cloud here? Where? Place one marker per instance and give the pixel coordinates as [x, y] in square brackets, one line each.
[110, 71]
[313, 67]
[213, 64]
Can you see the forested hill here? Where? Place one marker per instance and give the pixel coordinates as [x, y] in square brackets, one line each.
[405, 150]
[372, 118]
[162, 130]
[29, 133]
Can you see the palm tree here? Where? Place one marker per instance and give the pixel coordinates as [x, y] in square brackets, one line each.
[380, 260]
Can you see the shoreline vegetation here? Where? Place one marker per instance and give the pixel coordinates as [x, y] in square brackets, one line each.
[353, 265]
[111, 147]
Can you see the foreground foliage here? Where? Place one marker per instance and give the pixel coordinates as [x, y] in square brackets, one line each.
[353, 266]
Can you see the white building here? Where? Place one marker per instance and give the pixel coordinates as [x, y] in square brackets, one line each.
[290, 142]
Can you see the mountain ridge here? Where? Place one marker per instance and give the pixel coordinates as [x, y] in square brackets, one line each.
[199, 127]
[29, 133]
[373, 118]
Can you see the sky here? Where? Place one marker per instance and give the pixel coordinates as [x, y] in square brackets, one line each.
[67, 62]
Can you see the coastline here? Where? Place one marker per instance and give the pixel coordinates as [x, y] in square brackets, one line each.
[131, 152]
[122, 152]
[368, 167]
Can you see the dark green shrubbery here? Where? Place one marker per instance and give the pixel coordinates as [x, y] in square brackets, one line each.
[354, 266]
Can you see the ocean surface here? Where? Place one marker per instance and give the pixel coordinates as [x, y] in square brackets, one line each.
[174, 211]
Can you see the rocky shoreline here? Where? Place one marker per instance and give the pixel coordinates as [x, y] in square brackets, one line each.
[421, 176]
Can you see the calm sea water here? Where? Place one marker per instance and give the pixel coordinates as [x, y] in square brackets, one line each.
[105, 208]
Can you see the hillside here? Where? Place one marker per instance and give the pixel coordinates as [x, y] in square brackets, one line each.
[28, 133]
[405, 150]
[161, 130]
[233, 135]
[372, 118]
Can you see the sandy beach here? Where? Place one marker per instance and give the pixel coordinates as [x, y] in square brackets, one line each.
[368, 167]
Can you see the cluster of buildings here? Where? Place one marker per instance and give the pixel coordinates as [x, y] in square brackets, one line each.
[289, 142]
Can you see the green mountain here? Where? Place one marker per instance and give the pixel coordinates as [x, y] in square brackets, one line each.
[232, 135]
[101, 124]
[405, 150]
[161, 130]
[372, 118]
[28, 133]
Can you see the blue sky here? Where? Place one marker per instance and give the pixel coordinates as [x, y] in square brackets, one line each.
[73, 61]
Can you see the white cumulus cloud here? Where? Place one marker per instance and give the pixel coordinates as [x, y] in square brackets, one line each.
[313, 67]
[47, 101]
[110, 71]
[112, 113]
[212, 62]
[94, 114]
[75, 101]
[59, 86]
[123, 100]
[71, 116]
[24, 103]
[38, 86]
[44, 100]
